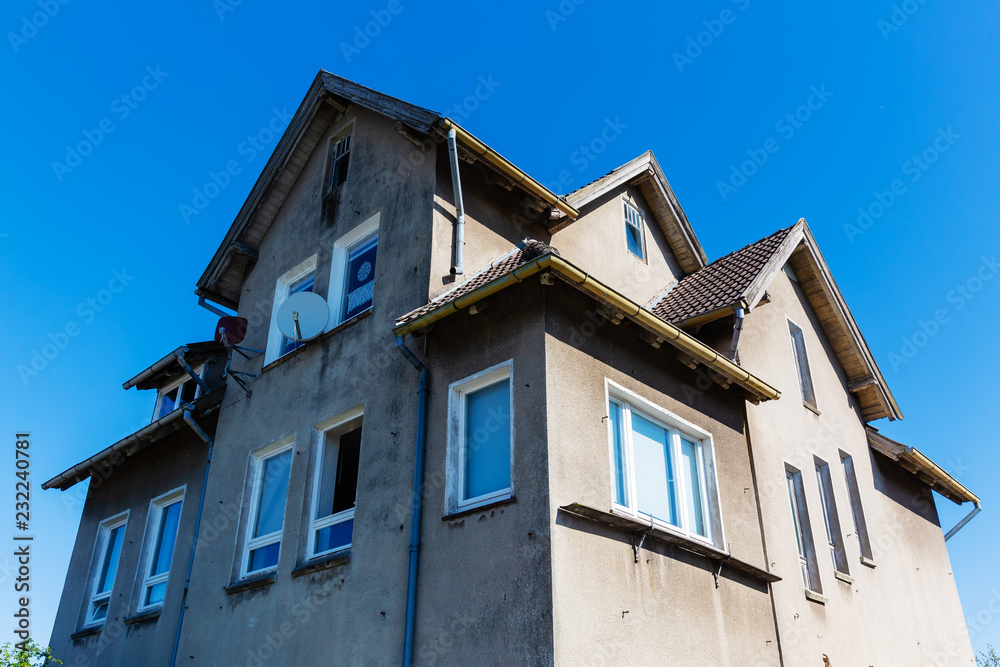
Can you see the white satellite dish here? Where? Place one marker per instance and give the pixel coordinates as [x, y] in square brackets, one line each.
[303, 316]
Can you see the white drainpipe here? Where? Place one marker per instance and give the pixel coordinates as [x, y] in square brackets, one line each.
[456, 185]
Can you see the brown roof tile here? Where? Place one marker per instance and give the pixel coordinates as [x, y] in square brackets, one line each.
[505, 263]
[721, 283]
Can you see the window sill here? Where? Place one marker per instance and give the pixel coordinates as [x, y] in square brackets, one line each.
[868, 562]
[323, 563]
[811, 408]
[846, 578]
[631, 526]
[458, 514]
[149, 615]
[288, 356]
[86, 632]
[251, 583]
[813, 596]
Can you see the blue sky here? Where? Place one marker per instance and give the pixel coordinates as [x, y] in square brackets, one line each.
[98, 258]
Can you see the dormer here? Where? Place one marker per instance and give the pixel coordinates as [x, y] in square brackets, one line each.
[182, 377]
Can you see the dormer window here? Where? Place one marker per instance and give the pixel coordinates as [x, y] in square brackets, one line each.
[174, 395]
[340, 157]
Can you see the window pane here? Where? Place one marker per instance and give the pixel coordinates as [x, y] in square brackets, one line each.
[339, 477]
[487, 440]
[164, 551]
[634, 240]
[342, 156]
[100, 611]
[110, 565]
[168, 403]
[263, 558]
[654, 474]
[187, 391]
[360, 278]
[303, 284]
[274, 488]
[334, 537]
[155, 593]
[802, 364]
[615, 415]
[790, 478]
[691, 469]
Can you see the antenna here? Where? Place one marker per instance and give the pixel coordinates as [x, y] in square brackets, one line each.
[303, 316]
[230, 331]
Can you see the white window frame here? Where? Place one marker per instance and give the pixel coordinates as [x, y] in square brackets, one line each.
[457, 393]
[641, 226]
[677, 427]
[281, 287]
[831, 517]
[323, 430]
[255, 480]
[857, 508]
[154, 519]
[804, 539]
[97, 564]
[804, 375]
[338, 267]
[199, 371]
[348, 134]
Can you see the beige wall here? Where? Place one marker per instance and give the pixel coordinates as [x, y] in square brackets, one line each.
[906, 610]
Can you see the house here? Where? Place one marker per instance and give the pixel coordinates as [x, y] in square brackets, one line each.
[533, 430]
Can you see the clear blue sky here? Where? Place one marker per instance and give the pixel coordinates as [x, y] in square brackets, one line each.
[888, 92]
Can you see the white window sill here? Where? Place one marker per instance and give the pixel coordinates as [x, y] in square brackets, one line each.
[813, 596]
[288, 356]
[868, 562]
[846, 578]
[810, 408]
[484, 506]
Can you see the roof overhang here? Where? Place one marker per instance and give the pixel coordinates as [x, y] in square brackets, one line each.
[170, 366]
[106, 460]
[644, 172]
[721, 369]
[916, 463]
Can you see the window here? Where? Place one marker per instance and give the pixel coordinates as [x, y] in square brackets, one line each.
[480, 437]
[174, 395]
[335, 488]
[340, 156]
[107, 552]
[352, 276]
[300, 278]
[662, 469]
[803, 533]
[269, 470]
[634, 231]
[161, 536]
[860, 527]
[802, 364]
[303, 284]
[834, 537]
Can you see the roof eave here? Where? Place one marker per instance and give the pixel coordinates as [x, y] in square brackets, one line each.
[917, 463]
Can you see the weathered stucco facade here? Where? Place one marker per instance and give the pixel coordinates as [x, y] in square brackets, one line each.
[551, 570]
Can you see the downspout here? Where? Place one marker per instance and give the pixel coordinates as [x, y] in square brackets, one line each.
[190, 371]
[961, 524]
[737, 331]
[456, 186]
[197, 526]
[418, 477]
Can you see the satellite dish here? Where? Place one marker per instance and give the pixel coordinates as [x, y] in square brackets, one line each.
[303, 316]
[232, 329]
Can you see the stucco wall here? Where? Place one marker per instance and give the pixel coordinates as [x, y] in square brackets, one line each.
[610, 610]
[906, 610]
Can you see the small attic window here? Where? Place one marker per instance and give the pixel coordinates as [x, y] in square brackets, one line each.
[634, 236]
[177, 393]
[340, 157]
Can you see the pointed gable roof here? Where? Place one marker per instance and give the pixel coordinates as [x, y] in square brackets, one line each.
[740, 279]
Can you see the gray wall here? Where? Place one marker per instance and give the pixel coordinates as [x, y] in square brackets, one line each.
[905, 611]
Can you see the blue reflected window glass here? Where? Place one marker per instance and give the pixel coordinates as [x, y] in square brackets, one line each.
[360, 288]
[618, 444]
[487, 440]
[655, 486]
